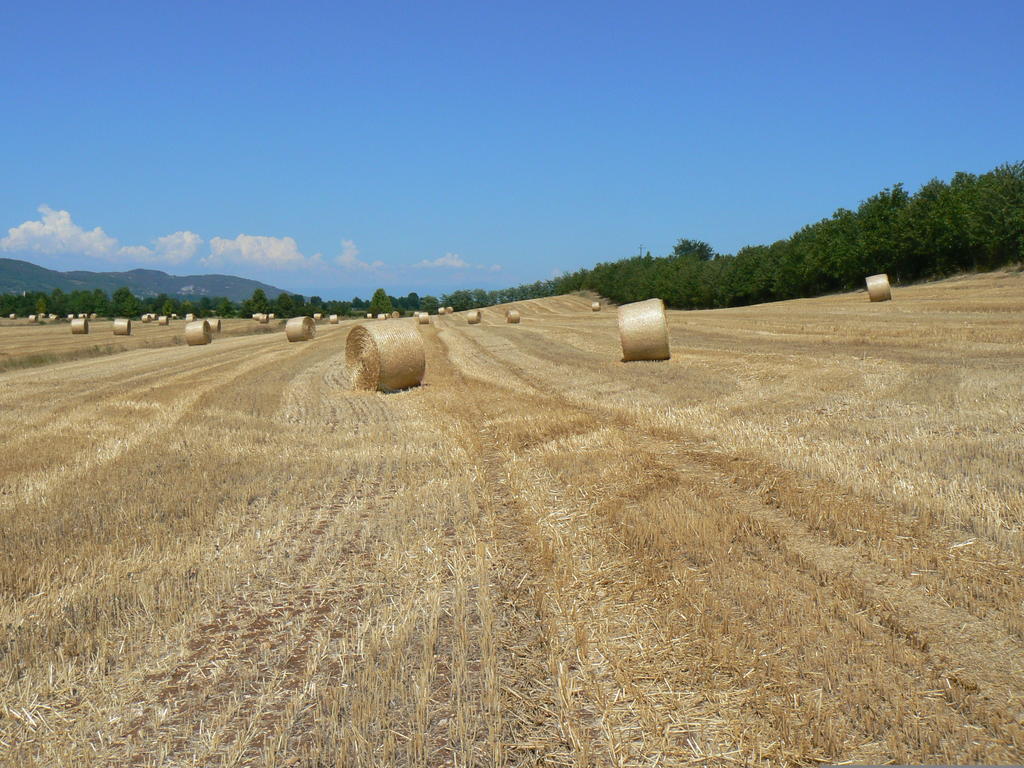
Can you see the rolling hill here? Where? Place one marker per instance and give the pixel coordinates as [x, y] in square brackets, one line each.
[17, 275]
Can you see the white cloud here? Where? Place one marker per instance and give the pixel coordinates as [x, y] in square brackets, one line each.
[275, 252]
[169, 249]
[56, 233]
[349, 259]
[455, 261]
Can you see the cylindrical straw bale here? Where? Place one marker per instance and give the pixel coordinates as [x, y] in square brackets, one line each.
[174, 316]
[264, 318]
[512, 316]
[197, 333]
[332, 319]
[449, 310]
[473, 316]
[12, 316]
[300, 328]
[214, 324]
[382, 316]
[33, 319]
[190, 317]
[369, 316]
[80, 325]
[271, 316]
[318, 316]
[93, 316]
[385, 356]
[396, 314]
[643, 331]
[878, 287]
[52, 317]
[423, 318]
[122, 326]
[163, 320]
[71, 317]
[595, 306]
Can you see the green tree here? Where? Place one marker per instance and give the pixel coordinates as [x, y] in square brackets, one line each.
[285, 305]
[429, 304]
[381, 303]
[41, 306]
[124, 303]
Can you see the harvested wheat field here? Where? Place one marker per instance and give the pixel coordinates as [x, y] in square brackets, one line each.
[798, 540]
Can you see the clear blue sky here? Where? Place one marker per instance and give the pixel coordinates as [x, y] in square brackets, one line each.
[329, 148]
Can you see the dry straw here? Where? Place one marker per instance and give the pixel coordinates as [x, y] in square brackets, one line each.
[122, 326]
[333, 319]
[264, 318]
[198, 333]
[512, 316]
[423, 318]
[80, 325]
[595, 306]
[71, 317]
[174, 316]
[385, 356]
[33, 319]
[163, 320]
[643, 331]
[12, 316]
[189, 317]
[369, 316]
[214, 324]
[93, 316]
[271, 316]
[300, 328]
[396, 314]
[53, 317]
[473, 316]
[318, 316]
[449, 310]
[382, 316]
[878, 287]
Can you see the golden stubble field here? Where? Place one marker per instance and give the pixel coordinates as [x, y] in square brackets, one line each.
[797, 541]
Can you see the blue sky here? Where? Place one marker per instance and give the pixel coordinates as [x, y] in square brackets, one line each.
[330, 148]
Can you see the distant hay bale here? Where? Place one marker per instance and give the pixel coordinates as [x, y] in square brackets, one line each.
[643, 331]
[190, 317]
[300, 328]
[214, 324]
[122, 326]
[878, 287]
[93, 316]
[423, 318]
[33, 319]
[595, 306]
[52, 317]
[71, 317]
[382, 316]
[449, 310]
[198, 333]
[163, 320]
[271, 316]
[318, 316]
[332, 319]
[369, 316]
[385, 356]
[80, 325]
[12, 316]
[82, 315]
[396, 314]
[512, 316]
[473, 316]
[264, 318]
[174, 316]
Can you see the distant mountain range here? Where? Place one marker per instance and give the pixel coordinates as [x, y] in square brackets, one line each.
[17, 276]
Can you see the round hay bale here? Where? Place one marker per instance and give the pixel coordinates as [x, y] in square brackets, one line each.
[52, 317]
[12, 316]
[33, 319]
[174, 316]
[512, 316]
[71, 317]
[147, 319]
[197, 333]
[449, 310]
[82, 316]
[473, 316]
[214, 324]
[300, 328]
[80, 325]
[423, 318]
[595, 306]
[271, 316]
[643, 331]
[318, 316]
[878, 287]
[382, 316]
[333, 319]
[189, 317]
[163, 320]
[369, 316]
[122, 326]
[264, 318]
[93, 316]
[396, 314]
[385, 356]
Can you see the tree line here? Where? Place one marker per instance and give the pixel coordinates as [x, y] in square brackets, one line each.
[974, 222]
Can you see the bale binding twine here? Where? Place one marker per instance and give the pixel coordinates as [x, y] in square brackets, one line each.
[300, 328]
[80, 325]
[512, 316]
[643, 331]
[197, 333]
[122, 326]
[878, 287]
[385, 356]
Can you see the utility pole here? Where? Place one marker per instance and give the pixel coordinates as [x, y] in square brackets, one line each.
[641, 254]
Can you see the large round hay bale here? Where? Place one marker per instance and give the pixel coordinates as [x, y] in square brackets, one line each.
[71, 317]
[163, 320]
[214, 324]
[271, 316]
[174, 316]
[423, 318]
[512, 316]
[93, 316]
[473, 316]
[396, 314]
[147, 319]
[52, 317]
[80, 325]
[643, 331]
[595, 306]
[385, 356]
[264, 318]
[878, 287]
[122, 326]
[33, 319]
[382, 316]
[318, 316]
[198, 333]
[12, 316]
[332, 319]
[190, 317]
[83, 316]
[369, 316]
[300, 328]
[449, 310]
